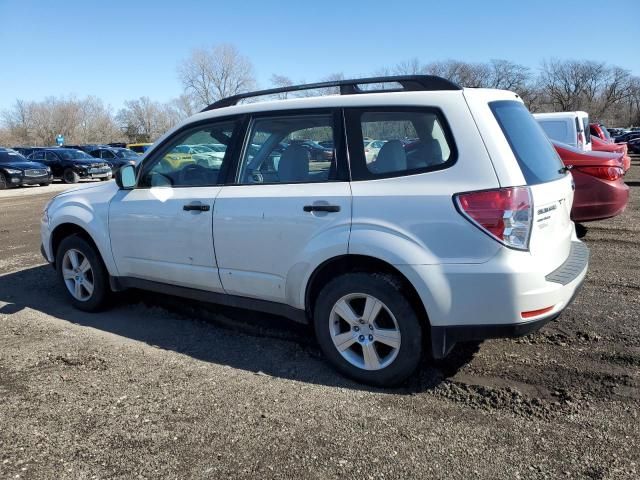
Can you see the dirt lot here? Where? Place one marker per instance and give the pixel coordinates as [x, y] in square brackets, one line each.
[163, 388]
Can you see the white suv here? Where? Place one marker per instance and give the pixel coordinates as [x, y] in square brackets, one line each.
[459, 230]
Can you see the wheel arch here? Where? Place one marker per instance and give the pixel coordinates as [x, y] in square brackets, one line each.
[350, 263]
[68, 229]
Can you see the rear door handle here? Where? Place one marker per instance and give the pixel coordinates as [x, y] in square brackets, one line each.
[197, 207]
[321, 208]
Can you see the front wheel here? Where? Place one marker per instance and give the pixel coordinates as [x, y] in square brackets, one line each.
[368, 329]
[82, 273]
[69, 176]
[3, 182]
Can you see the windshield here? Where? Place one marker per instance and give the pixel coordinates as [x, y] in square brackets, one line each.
[605, 132]
[536, 156]
[9, 156]
[126, 153]
[73, 154]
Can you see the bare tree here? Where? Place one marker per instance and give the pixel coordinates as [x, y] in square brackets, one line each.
[280, 81]
[215, 73]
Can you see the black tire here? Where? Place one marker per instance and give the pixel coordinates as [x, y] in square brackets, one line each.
[45, 184]
[3, 182]
[101, 290]
[69, 176]
[581, 230]
[388, 290]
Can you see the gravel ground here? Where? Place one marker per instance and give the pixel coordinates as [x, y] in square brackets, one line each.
[159, 387]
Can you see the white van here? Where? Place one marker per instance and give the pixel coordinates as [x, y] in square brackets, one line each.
[571, 128]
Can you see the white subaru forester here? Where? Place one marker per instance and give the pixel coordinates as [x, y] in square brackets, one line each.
[458, 230]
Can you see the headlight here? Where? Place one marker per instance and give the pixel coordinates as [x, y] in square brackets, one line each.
[13, 171]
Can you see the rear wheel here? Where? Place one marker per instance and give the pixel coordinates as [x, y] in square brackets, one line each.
[368, 329]
[82, 273]
[69, 176]
[3, 182]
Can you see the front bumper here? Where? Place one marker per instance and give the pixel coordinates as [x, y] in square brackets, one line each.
[19, 180]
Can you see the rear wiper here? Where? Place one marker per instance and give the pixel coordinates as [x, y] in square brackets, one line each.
[565, 169]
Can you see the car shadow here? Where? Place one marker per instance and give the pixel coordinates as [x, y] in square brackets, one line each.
[242, 339]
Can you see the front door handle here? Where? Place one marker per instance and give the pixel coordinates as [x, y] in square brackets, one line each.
[321, 208]
[196, 207]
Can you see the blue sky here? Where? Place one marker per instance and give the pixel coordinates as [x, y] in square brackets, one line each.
[119, 50]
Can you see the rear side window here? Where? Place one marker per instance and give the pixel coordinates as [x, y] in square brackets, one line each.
[536, 156]
[398, 141]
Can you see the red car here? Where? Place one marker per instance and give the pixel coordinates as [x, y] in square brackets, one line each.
[600, 145]
[598, 130]
[600, 190]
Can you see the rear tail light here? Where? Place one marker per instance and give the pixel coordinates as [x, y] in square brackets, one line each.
[605, 173]
[506, 214]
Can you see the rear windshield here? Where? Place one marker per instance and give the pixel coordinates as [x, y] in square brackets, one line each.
[536, 156]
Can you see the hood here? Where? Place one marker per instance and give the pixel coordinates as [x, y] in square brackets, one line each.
[87, 161]
[92, 188]
[26, 165]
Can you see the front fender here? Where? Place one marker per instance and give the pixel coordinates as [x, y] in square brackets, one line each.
[92, 218]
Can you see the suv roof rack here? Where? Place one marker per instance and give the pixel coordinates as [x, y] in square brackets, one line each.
[409, 83]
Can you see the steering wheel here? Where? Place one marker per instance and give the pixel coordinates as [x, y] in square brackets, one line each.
[193, 174]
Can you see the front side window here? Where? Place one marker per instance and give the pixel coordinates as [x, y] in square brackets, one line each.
[398, 142]
[289, 149]
[178, 164]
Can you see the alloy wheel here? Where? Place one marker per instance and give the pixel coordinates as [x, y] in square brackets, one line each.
[364, 331]
[78, 275]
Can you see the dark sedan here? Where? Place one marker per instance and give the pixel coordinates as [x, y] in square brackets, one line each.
[16, 170]
[116, 157]
[72, 165]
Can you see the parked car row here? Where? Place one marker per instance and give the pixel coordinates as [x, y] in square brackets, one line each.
[597, 162]
[16, 170]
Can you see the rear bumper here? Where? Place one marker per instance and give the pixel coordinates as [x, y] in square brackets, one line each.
[597, 199]
[498, 298]
[443, 339]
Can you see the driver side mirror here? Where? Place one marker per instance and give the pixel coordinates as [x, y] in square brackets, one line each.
[126, 177]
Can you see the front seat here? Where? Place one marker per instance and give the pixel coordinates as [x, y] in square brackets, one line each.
[391, 158]
[294, 164]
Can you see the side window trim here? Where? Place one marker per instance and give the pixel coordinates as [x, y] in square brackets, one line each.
[339, 143]
[357, 161]
[162, 149]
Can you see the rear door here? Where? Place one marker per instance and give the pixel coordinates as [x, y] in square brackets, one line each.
[286, 211]
[550, 184]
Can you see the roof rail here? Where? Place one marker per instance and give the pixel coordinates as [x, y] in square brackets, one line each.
[409, 83]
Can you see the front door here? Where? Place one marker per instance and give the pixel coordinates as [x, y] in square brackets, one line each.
[290, 205]
[162, 230]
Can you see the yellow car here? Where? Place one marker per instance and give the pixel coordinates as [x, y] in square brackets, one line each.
[139, 148]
